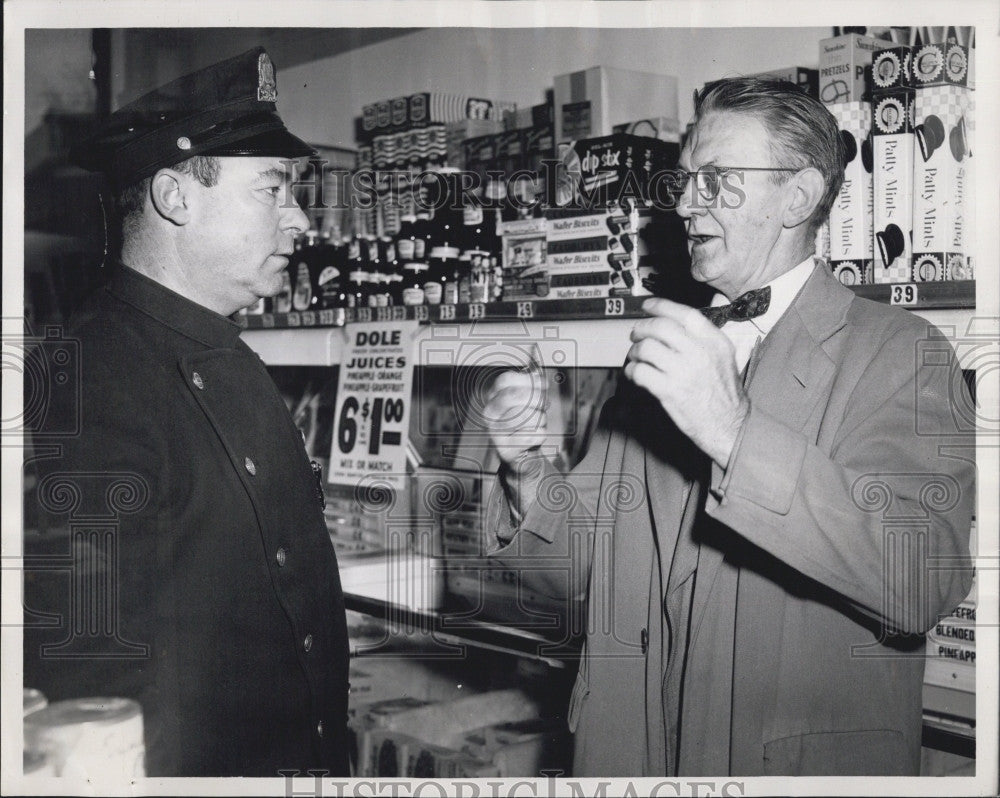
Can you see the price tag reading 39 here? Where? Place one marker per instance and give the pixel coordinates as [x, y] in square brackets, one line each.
[372, 415]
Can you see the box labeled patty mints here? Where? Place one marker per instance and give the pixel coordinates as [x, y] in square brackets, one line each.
[892, 138]
[851, 214]
[941, 101]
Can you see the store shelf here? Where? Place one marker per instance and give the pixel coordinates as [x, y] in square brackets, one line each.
[917, 296]
[455, 628]
[923, 296]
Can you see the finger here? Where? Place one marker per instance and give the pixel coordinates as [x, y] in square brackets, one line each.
[653, 353]
[688, 317]
[667, 331]
[652, 379]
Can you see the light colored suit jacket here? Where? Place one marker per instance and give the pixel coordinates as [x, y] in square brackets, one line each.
[786, 596]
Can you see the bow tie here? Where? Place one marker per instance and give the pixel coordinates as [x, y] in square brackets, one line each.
[746, 306]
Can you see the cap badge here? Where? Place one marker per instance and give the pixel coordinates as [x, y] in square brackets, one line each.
[184, 143]
[267, 89]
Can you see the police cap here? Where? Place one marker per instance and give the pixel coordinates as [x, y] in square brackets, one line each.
[224, 109]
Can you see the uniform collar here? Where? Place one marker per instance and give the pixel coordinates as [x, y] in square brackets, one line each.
[171, 309]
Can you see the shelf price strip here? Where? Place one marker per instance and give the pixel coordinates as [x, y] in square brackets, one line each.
[372, 414]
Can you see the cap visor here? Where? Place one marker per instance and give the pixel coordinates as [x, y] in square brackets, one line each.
[278, 143]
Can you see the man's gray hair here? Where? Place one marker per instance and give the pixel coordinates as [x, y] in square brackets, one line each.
[804, 133]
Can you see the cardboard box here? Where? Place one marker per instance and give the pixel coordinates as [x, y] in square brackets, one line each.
[890, 70]
[457, 132]
[844, 63]
[805, 77]
[615, 170]
[529, 116]
[940, 178]
[659, 127]
[592, 101]
[893, 186]
[523, 259]
[426, 108]
[850, 230]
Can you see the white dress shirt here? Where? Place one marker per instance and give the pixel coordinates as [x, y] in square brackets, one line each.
[746, 334]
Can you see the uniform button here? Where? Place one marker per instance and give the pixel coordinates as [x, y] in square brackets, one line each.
[644, 639]
[307, 644]
[199, 383]
[319, 728]
[250, 466]
[281, 556]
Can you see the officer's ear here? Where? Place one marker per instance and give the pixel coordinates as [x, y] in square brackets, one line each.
[169, 196]
[806, 191]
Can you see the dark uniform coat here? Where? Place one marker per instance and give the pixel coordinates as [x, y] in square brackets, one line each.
[767, 619]
[204, 583]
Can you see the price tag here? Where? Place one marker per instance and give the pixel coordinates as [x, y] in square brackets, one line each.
[420, 312]
[903, 294]
[293, 319]
[447, 313]
[243, 320]
[364, 314]
[267, 321]
[525, 310]
[327, 317]
[614, 306]
[382, 314]
[350, 315]
[308, 318]
[477, 310]
[398, 312]
[371, 417]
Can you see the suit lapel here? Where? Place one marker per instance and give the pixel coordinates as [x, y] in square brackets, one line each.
[792, 373]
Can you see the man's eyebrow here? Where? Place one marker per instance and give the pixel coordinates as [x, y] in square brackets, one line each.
[272, 173]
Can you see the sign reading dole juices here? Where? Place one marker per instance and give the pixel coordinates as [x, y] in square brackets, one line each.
[372, 416]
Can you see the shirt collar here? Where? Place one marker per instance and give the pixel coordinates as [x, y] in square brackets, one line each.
[173, 310]
[784, 288]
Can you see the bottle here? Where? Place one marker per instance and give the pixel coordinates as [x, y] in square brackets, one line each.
[392, 270]
[423, 233]
[299, 273]
[479, 277]
[414, 275]
[357, 277]
[329, 282]
[405, 238]
[376, 281]
[463, 277]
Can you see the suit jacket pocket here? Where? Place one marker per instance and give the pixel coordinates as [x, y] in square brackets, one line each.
[871, 752]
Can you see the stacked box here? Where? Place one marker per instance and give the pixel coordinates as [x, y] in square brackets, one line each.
[844, 67]
[530, 116]
[892, 137]
[663, 128]
[591, 102]
[423, 109]
[457, 132]
[524, 255]
[969, 272]
[850, 225]
[940, 112]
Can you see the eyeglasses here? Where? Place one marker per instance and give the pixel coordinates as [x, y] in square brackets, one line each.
[708, 179]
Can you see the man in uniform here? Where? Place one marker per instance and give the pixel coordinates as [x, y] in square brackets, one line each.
[203, 582]
[777, 505]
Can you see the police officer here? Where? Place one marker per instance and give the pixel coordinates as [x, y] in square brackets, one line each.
[209, 591]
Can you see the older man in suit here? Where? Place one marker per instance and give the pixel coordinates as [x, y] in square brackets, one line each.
[750, 610]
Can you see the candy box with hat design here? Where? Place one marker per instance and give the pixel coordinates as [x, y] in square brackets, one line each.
[851, 214]
[892, 179]
[941, 109]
